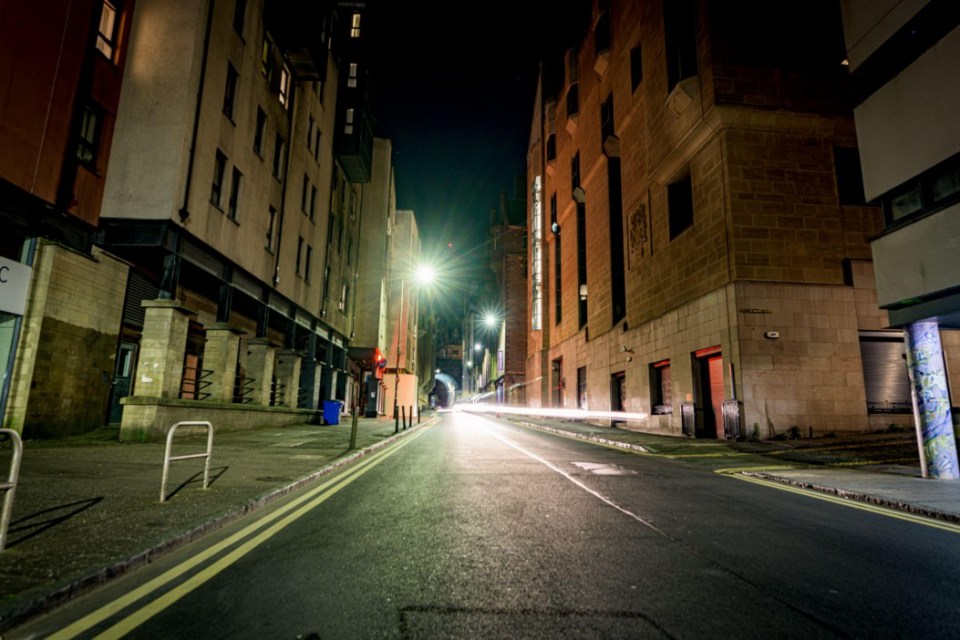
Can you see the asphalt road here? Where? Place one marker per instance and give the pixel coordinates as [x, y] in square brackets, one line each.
[479, 529]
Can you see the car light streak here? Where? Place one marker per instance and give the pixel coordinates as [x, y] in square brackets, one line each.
[549, 412]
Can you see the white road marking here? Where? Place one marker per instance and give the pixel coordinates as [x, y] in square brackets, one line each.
[566, 475]
[600, 469]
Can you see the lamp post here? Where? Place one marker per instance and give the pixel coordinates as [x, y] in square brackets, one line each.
[424, 274]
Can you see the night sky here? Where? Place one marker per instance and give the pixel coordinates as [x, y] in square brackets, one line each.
[455, 88]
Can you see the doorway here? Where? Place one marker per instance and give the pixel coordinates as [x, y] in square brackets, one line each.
[618, 393]
[708, 392]
[556, 382]
[122, 380]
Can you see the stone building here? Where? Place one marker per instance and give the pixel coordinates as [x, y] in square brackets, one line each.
[61, 66]
[699, 236]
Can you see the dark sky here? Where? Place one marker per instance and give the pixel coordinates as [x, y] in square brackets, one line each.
[455, 88]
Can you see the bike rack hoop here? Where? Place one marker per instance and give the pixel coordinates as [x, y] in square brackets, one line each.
[167, 458]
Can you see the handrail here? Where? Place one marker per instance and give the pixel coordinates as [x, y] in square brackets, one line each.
[167, 459]
[9, 487]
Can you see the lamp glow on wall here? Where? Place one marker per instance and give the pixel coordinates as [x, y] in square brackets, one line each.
[424, 274]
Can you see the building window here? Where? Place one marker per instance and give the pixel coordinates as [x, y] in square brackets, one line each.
[299, 255]
[349, 251]
[331, 221]
[278, 156]
[234, 194]
[88, 141]
[306, 267]
[266, 64]
[553, 213]
[348, 122]
[355, 26]
[352, 75]
[107, 30]
[846, 161]
[575, 172]
[309, 132]
[239, 14]
[935, 189]
[326, 283]
[316, 145]
[284, 95]
[602, 33]
[303, 195]
[551, 147]
[636, 67]
[230, 93]
[344, 297]
[661, 390]
[573, 80]
[271, 227]
[219, 167]
[680, 34]
[313, 201]
[680, 205]
[557, 280]
[259, 131]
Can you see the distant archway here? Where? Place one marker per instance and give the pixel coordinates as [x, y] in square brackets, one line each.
[445, 390]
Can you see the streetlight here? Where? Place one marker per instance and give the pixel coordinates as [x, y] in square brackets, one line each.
[423, 274]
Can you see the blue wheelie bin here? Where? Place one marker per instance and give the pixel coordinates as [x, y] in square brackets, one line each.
[331, 411]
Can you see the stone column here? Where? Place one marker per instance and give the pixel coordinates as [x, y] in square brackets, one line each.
[261, 362]
[931, 401]
[220, 357]
[162, 349]
[288, 374]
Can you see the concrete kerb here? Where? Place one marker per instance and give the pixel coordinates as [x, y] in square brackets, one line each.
[83, 584]
[857, 496]
[566, 433]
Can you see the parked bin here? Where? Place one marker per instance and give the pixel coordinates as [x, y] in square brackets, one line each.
[331, 411]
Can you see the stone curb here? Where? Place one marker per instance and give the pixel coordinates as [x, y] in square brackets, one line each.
[859, 496]
[583, 436]
[82, 584]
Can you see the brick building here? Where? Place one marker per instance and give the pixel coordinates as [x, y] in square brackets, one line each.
[698, 229]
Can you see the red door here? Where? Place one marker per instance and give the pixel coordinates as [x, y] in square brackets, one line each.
[715, 381]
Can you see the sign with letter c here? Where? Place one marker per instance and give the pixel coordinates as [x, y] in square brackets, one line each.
[14, 286]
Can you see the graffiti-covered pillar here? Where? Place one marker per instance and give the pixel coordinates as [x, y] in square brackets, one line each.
[931, 401]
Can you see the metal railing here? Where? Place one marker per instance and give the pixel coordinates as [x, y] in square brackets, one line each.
[278, 393]
[167, 458]
[242, 388]
[9, 487]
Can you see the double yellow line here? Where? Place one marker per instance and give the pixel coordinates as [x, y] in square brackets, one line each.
[277, 520]
[744, 474]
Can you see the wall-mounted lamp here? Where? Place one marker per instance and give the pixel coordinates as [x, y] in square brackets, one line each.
[771, 335]
[626, 350]
[555, 227]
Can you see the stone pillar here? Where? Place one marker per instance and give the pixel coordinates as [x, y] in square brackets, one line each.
[261, 362]
[288, 374]
[162, 349]
[931, 401]
[220, 357]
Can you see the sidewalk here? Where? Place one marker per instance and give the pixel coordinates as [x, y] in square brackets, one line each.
[88, 508]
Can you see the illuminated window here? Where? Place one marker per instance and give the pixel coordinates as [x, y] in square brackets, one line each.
[348, 126]
[88, 142]
[352, 77]
[106, 37]
[216, 188]
[285, 86]
[355, 26]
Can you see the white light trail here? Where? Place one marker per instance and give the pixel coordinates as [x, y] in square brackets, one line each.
[550, 412]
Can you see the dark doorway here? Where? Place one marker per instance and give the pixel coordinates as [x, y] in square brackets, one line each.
[618, 393]
[122, 380]
[556, 382]
[708, 392]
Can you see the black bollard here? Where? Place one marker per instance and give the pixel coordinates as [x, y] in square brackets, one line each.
[353, 429]
[403, 412]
